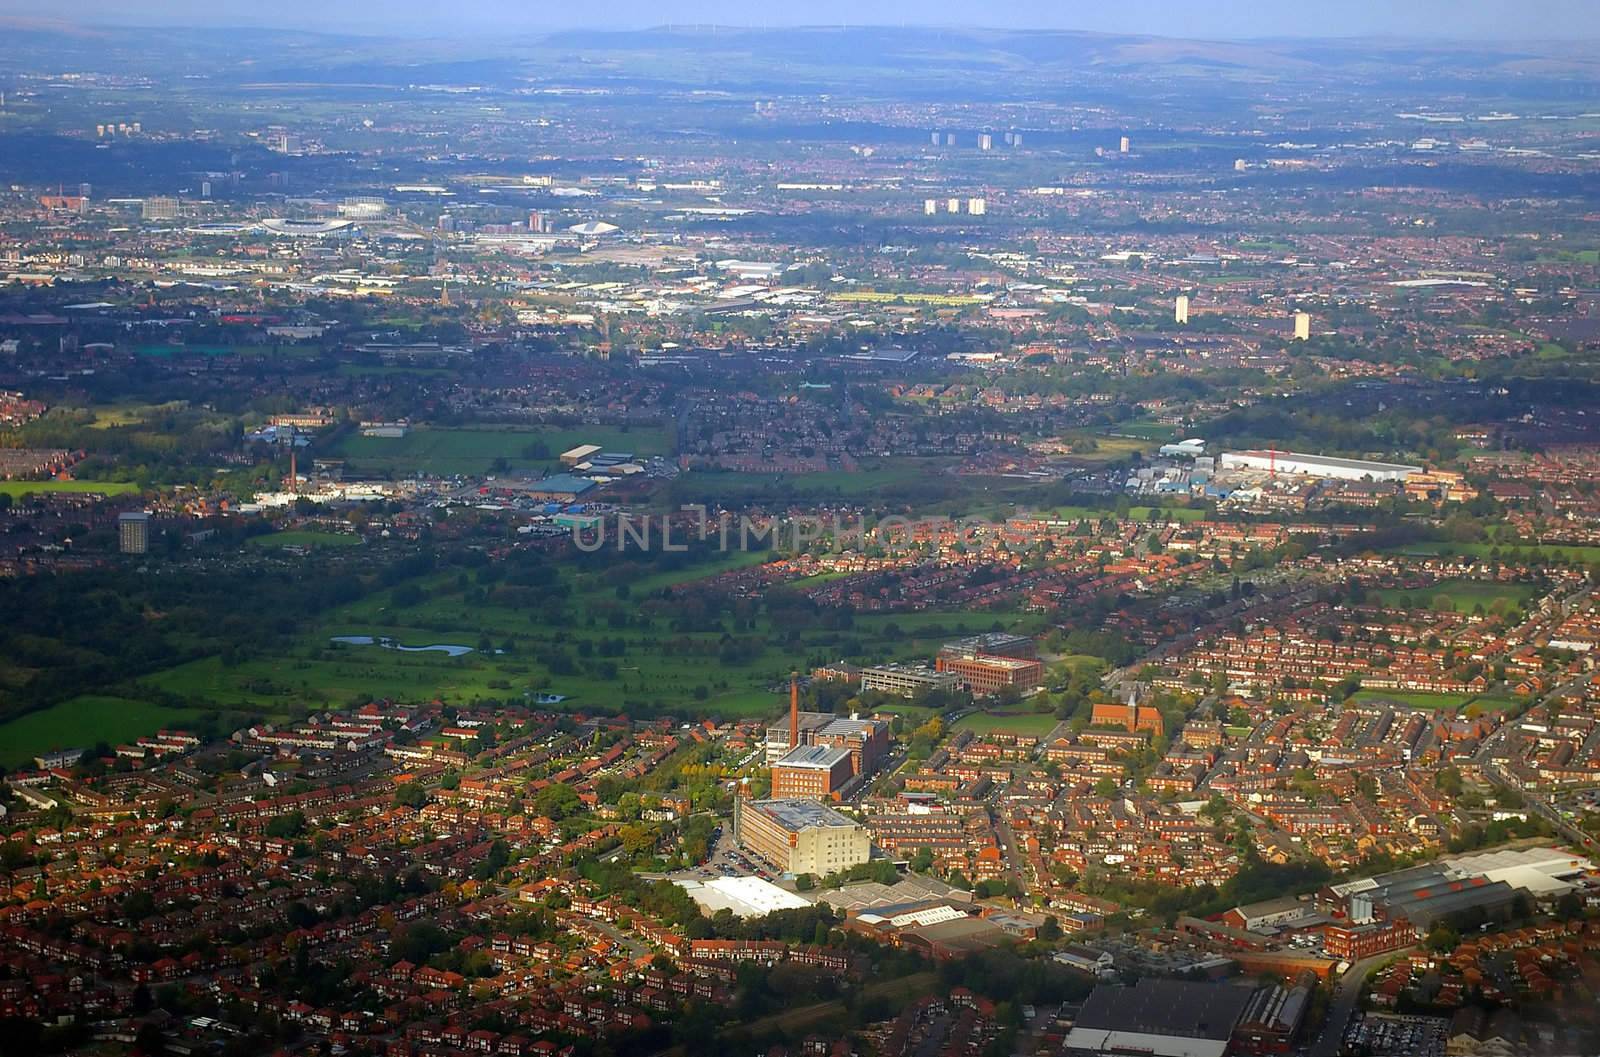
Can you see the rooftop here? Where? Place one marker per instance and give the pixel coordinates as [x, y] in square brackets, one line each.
[797, 814]
[814, 757]
[747, 897]
[1166, 1007]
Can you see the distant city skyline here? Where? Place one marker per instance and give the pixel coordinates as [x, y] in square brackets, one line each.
[1477, 20]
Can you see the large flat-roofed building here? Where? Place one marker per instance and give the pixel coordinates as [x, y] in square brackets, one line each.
[992, 644]
[746, 897]
[990, 675]
[573, 456]
[1294, 462]
[1159, 1018]
[560, 488]
[1543, 872]
[800, 836]
[812, 771]
[906, 680]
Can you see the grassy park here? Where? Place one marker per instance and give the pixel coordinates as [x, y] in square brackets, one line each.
[445, 452]
[79, 723]
[1035, 724]
[1412, 699]
[22, 488]
[1458, 596]
[650, 666]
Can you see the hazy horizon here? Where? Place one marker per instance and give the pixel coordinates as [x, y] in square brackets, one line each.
[1465, 20]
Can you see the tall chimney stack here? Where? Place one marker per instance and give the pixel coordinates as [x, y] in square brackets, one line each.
[794, 710]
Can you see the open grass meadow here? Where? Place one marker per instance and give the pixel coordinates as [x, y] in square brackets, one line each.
[1459, 596]
[1413, 699]
[589, 654]
[1508, 550]
[445, 452]
[904, 478]
[81, 722]
[16, 489]
[1467, 704]
[1034, 724]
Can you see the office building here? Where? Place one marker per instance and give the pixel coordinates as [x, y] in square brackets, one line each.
[1123, 145]
[1180, 309]
[1302, 326]
[977, 206]
[133, 532]
[990, 675]
[985, 141]
[906, 680]
[160, 207]
[953, 205]
[992, 644]
[930, 206]
[799, 836]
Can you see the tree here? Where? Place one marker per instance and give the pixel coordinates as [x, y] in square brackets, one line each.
[1442, 938]
[805, 883]
[557, 801]
[411, 794]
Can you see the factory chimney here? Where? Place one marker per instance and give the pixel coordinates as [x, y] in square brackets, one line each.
[794, 710]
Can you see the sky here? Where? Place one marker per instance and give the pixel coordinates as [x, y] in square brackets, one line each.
[1204, 19]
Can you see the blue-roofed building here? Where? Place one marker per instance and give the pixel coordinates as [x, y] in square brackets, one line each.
[560, 488]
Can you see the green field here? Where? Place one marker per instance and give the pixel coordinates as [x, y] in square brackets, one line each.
[655, 666]
[1079, 663]
[1145, 429]
[1496, 702]
[1038, 724]
[1458, 596]
[1110, 448]
[449, 452]
[1412, 699]
[21, 488]
[876, 477]
[79, 723]
[1507, 550]
[306, 538]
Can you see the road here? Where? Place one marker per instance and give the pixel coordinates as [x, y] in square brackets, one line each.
[1010, 850]
[1344, 1003]
[1487, 758]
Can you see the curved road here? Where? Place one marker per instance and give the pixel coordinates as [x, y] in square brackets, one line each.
[1344, 1003]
